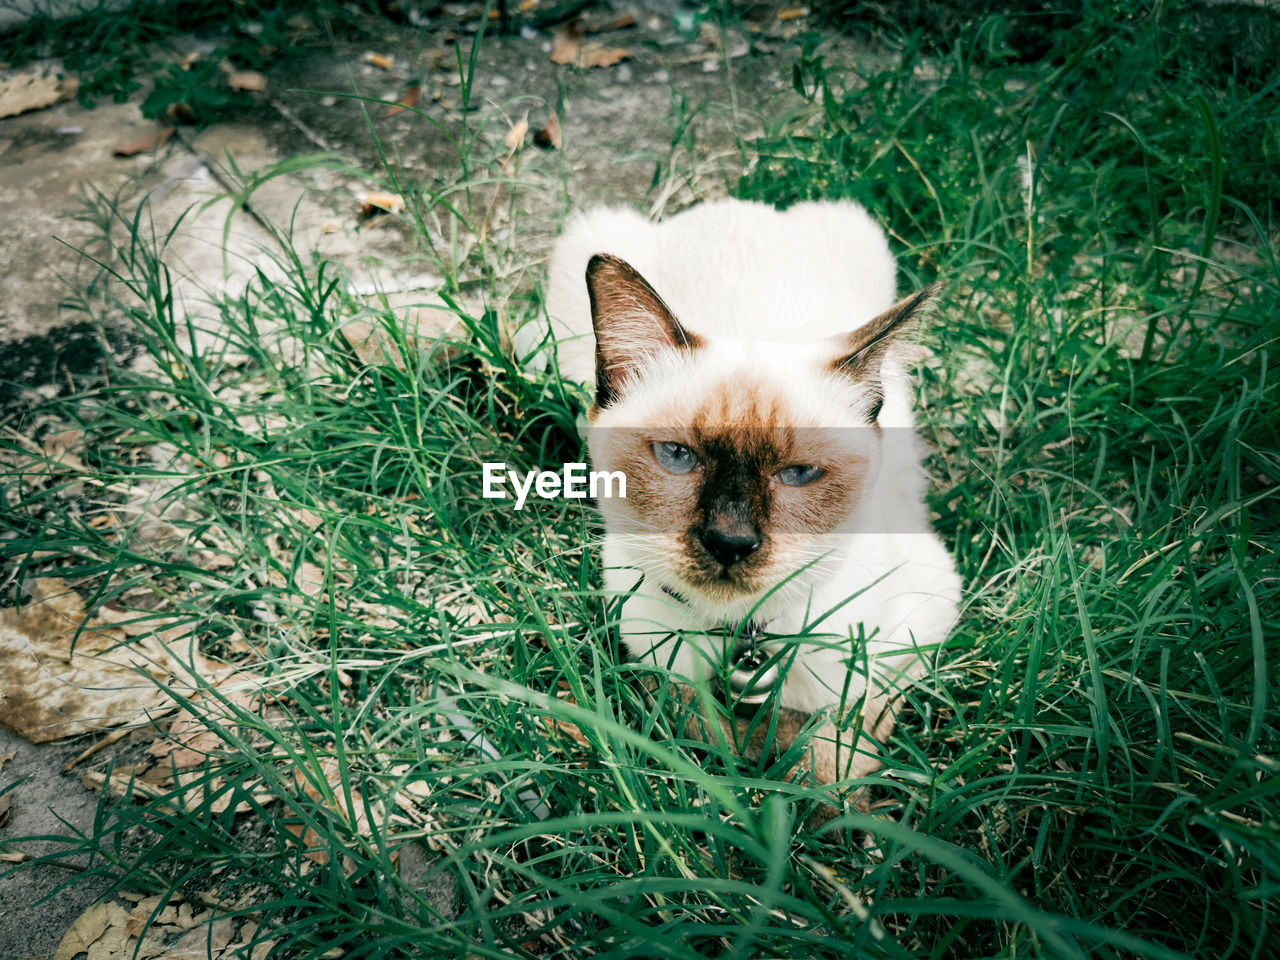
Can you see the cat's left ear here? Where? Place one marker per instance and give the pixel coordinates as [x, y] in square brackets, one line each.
[861, 351]
[631, 323]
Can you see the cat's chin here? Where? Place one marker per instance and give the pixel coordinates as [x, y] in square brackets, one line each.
[731, 593]
[723, 588]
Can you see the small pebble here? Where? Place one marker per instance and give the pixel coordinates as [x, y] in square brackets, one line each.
[624, 72]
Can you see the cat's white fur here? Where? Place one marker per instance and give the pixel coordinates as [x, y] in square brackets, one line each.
[765, 291]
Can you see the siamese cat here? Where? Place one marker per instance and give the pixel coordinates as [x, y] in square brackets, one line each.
[749, 383]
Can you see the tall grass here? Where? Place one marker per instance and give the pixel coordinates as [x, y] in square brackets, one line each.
[1090, 768]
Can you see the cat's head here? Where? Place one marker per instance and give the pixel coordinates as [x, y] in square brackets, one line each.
[740, 456]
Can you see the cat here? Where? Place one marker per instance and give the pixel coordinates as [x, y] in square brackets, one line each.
[749, 381]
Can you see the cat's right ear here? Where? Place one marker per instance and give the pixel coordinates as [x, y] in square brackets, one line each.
[861, 351]
[631, 322]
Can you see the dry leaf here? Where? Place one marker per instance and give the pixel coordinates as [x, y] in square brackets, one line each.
[568, 729]
[139, 915]
[188, 741]
[110, 931]
[146, 143]
[793, 13]
[422, 323]
[58, 448]
[376, 200]
[48, 692]
[27, 90]
[515, 136]
[89, 926]
[309, 579]
[360, 823]
[567, 42]
[382, 61]
[409, 99]
[568, 48]
[594, 55]
[247, 80]
[202, 942]
[549, 135]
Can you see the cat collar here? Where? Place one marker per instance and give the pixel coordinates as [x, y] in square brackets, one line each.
[753, 676]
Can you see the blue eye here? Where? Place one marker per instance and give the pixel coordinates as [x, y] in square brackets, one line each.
[799, 475]
[674, 457]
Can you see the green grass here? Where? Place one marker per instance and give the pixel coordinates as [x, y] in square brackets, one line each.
[1090, 770]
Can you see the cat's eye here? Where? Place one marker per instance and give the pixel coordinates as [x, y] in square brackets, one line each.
[674, 457]
[799, 475]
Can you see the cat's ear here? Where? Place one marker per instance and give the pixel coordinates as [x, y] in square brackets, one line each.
[861, 351]
[631, 322]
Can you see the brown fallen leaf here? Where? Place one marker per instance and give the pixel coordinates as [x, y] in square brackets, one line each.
[360, 822]
[49, 691]
[59, 448]
[549, 135]
[565, 728]
[376, 200]
[202, 942]
[519, 130]
[188, 742]
[567, 42]
[309, 579]
[409, 99]
[88, 930]
[247, 80]
[115, 931]
[145, 143]
[424, 320]
[141, 914]
[595, 55]
[793, 13]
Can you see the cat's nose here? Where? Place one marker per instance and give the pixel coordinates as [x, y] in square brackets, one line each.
[729, 544]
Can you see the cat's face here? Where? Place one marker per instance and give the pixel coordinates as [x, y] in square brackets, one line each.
[741, 458]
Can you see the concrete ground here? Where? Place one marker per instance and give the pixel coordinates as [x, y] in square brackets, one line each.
[59, 176]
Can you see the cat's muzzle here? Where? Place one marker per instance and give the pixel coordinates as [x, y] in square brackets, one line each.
[751, 680]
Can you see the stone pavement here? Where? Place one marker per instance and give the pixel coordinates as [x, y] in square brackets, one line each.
[618, 124]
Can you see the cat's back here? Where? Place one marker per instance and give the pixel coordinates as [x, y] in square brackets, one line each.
[730, 268]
